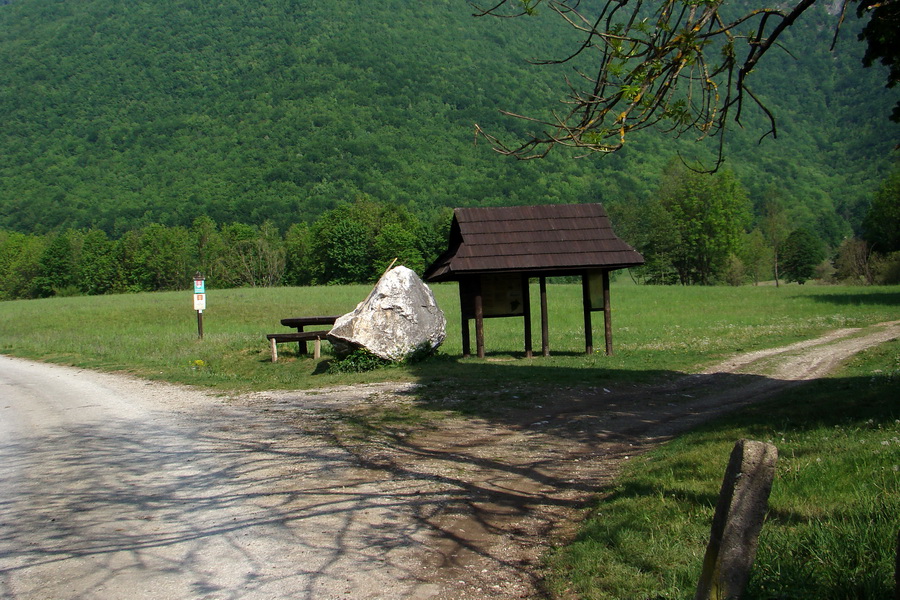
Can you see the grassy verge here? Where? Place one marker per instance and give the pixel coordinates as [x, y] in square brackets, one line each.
[657, 331]
[831, 532]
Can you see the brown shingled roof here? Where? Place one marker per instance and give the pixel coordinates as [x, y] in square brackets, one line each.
[550, 238]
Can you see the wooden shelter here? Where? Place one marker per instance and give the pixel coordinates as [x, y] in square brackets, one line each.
[494, 252]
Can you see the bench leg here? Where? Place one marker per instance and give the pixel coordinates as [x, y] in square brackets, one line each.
[301, 346]
[317, 351]
[274, 345]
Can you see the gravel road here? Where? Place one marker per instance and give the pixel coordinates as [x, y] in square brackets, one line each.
[113, 487]
[118, 488]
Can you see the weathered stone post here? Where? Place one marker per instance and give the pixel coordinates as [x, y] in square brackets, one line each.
[738, 521]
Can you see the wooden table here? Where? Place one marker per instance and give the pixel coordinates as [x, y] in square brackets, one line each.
[301, 322]
[302, 336]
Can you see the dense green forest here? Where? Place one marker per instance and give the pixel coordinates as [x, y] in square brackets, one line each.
[122, 114]
[694, 228]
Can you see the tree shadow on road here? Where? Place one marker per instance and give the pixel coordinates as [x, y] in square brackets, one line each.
[227, 504]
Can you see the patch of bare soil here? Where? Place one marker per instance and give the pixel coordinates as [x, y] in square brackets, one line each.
[497, 491]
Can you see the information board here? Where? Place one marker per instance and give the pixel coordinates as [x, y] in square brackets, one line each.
[595, 289]
[502, 295]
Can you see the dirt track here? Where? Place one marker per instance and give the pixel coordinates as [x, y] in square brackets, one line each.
[124, 486]
[511, 486]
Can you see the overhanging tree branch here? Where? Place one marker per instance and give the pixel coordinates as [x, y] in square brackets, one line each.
[670, 64]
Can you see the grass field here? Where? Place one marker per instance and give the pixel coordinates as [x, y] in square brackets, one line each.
[835, 507]
[834, 514]
[657, 331]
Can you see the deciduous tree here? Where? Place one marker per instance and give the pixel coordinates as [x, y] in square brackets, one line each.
[58, 265]
[228, 268]
[802, 253]
[20, 256]
[709, 213]
[650, 229]
[297, 243]
[881, 226]
[341, 247]
[882, 36]
[756, 255]
[775, 229]
[157, 258]
[209, 248]
[261, 259]
[682, 66]
[98, 266]
[854, 262]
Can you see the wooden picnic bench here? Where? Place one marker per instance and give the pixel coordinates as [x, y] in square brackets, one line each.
[301, 336]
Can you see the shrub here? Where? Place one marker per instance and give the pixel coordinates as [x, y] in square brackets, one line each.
[887, 269]
[358, 361]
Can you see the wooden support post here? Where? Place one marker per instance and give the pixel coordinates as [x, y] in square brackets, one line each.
[738, 520]
[479, 321]
[545, 326]
[301, 346]
[274, 346]
[466, 339]
[317, 348]
[526, 313]
[586, 304]
[464, 319]
[607, 314]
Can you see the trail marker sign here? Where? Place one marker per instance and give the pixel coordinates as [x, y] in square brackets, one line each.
[199, 301]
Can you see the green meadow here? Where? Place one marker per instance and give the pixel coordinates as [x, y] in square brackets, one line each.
[834, 513]
[656, 331]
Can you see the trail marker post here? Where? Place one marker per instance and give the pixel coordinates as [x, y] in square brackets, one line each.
[739, 517]
[199, 301]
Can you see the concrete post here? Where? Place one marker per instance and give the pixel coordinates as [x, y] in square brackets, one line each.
[738, 520]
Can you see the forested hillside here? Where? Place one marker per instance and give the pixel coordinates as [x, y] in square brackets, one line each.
[119, 114]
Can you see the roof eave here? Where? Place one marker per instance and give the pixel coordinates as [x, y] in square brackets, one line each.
[454, 275]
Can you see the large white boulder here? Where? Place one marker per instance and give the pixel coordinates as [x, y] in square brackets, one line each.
[399, 318]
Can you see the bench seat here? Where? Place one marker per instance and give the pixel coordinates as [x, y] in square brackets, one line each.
[299, 336]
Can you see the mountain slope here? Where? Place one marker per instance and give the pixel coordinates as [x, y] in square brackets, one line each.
[118, 114]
